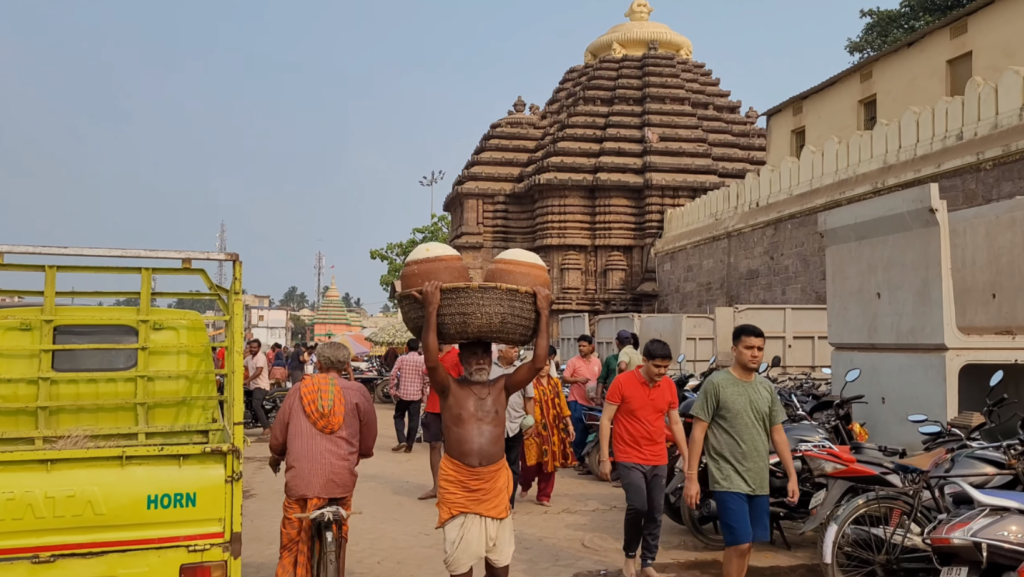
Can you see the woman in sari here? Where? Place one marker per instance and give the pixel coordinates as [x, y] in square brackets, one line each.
[547, 446]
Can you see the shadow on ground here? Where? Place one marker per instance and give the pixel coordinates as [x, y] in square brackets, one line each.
[713, 567]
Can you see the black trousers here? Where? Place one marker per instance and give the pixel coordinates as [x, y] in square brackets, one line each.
[258, 395]
[412, 408]
[513, 448]
[645, 500]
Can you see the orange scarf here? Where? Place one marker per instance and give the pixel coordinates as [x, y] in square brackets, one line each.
[323, 402]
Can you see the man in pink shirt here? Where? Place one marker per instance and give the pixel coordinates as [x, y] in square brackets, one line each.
[581, 373]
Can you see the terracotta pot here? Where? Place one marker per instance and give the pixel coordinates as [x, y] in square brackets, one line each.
[517, 271]
[444, 269]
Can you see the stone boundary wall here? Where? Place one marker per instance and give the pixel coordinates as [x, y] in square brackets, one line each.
[895, 151]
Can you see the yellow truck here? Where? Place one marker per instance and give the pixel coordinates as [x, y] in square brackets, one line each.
[119, 454]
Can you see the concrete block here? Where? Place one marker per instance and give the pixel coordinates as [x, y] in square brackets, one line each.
[842, 156]
[897, 264]
[884, 271]
[817, 164]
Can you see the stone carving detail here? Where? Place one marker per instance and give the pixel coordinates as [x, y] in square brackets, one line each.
[639, 11]
[588, 195]
[588, 58]
[617, 50]
[519, 106]
[591, 272]
[572, 272]
[686, 51]
[653, 46]
[752, 115]
[615, 269]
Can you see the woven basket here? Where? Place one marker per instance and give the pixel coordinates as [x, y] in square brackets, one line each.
[494, 313]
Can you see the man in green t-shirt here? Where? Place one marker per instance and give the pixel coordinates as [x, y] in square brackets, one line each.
[737, 415]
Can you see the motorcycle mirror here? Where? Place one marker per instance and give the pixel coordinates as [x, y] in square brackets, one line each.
[929, 430]
[762, 368]
[776, 362]
[996, 378]
[711, 363]
[917, 418]
[827, 371]
[681, 359]
[852, 375]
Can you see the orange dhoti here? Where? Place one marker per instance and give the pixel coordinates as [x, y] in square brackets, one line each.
[474, 514]
[296, 535]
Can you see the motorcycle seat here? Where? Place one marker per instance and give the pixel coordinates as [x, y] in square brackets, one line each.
[924, 461]
[915, 464]
[994, 498]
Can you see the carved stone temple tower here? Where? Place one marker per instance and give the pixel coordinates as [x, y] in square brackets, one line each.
[640, 127]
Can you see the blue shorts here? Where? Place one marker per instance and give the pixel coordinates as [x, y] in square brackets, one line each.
[744, 519]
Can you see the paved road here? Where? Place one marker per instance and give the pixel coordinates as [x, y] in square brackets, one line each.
[393, 534]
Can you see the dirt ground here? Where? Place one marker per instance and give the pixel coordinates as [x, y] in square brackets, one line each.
[391, 533]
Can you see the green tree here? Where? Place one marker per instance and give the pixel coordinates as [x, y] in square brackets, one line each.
[298, 328]
[888, 26]
[394, 254]
[294, 300]
[198, 305]
[346, 299]
[357, 303]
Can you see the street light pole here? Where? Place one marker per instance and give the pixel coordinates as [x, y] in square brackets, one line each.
[430, 181]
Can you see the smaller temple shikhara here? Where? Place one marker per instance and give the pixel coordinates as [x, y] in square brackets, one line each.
[638, 128]
[333, 318]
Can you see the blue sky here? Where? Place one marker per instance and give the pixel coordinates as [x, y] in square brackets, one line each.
[305, 126]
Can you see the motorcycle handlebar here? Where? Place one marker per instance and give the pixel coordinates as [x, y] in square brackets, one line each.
[853, 398]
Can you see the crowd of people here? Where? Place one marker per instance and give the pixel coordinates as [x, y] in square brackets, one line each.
[497, 425]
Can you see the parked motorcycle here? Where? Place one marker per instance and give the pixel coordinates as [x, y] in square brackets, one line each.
[902, 495]
[271, 405]
[592, 451]
[982, 534]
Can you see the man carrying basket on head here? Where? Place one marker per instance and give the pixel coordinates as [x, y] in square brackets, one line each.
[474, 481]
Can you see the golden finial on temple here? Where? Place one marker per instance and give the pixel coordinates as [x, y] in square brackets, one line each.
[639, 11]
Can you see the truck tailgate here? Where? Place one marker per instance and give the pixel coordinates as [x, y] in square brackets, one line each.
[113, 503]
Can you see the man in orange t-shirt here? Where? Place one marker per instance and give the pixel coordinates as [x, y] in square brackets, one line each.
[432, 417]
[637, 403]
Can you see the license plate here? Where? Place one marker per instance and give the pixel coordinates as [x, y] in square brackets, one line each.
[954, 572]
[819, 498]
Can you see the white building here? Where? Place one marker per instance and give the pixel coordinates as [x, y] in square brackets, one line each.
[269, 325]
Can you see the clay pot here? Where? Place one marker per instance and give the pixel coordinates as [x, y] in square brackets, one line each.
[519, 268]
[433, 261]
